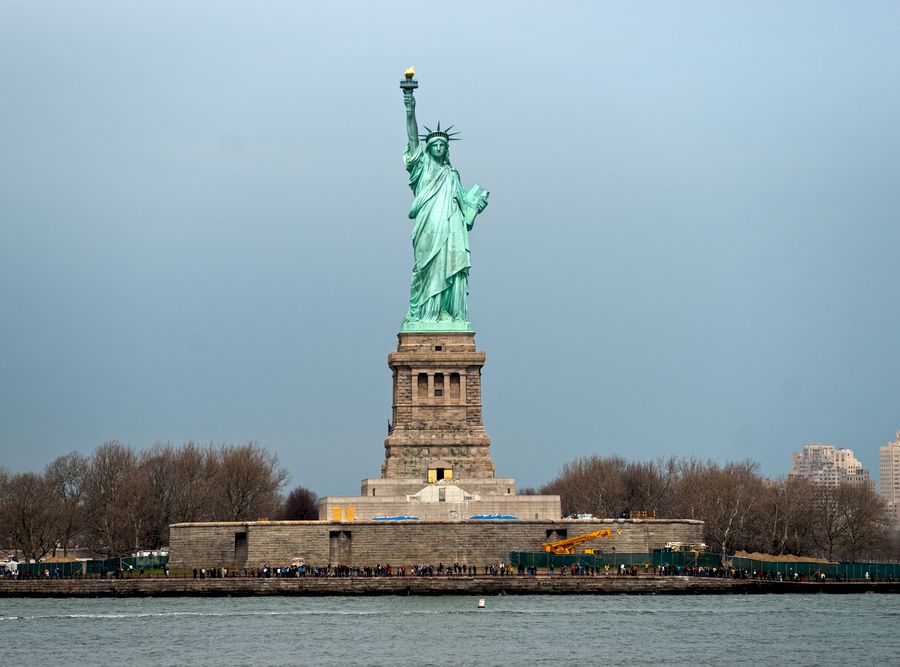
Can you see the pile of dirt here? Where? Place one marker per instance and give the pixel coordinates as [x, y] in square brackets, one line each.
[786, 558]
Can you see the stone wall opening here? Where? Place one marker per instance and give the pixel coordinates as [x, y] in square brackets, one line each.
[240, 549]
[422, 387]
[340, 550]
[438, 385]
[438, 474]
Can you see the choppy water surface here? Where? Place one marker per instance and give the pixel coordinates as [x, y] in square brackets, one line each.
[571, 630]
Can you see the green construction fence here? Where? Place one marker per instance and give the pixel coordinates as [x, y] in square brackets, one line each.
[614, 559]
[806, 569]
[95, 567]
[681, 559]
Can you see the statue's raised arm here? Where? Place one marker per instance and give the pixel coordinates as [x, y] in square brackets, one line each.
[412, 127]
[408, 85]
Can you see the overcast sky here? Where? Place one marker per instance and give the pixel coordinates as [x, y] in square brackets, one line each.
[691, 247]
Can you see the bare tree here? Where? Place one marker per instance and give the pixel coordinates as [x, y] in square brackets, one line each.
[650, 486]
[66, 478]
[183, 485]
[725, 500]
[195, 472]
[798, 509]
[693, 476]
[29, 516]
[591, 485]
[784, 511]
[156, 472]
[248, 483]
[890, 544]
[828, 521]
[863, 517]
[4, 505]
[110, 500]
[301, 504]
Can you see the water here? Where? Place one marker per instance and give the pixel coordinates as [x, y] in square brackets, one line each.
[524, 630]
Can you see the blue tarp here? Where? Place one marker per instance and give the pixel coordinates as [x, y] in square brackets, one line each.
[396, 518]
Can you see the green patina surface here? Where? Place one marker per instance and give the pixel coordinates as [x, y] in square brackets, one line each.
[444, 213]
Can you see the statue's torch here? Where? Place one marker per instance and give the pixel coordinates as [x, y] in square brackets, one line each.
[409, 84]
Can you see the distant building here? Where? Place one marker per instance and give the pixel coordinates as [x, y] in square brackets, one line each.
[829, 466]
[889, 460]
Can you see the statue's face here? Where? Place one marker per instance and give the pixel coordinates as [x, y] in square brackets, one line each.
[438, 150]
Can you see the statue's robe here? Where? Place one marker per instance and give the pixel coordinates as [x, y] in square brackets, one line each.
[440, 239]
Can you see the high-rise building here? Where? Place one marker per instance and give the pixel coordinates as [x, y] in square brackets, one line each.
[889, 459]
[829, 466]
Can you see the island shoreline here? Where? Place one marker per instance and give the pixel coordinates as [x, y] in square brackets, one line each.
[456, 585]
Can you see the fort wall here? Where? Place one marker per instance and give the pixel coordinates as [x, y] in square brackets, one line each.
[276, 543]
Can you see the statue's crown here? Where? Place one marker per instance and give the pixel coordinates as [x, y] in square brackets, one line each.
[444, 134]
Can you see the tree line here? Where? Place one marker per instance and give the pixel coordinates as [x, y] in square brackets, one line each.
[118, 499]
[741, 509]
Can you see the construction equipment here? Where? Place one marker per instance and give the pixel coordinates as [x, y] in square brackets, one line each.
[687, 547]
[637, 514]
[568, 545]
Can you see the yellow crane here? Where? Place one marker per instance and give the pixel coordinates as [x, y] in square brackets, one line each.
[568, 545]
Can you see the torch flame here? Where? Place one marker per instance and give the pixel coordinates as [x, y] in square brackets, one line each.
[410, 72]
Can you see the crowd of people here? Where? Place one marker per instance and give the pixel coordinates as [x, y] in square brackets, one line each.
[378, 570]
[500, 569]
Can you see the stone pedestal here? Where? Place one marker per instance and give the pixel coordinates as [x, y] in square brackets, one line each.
[436, 428]
[437, 464]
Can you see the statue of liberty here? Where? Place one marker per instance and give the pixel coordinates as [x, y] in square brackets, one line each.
[444, 214]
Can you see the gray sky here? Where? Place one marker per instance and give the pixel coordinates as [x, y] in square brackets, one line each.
[691, 246]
